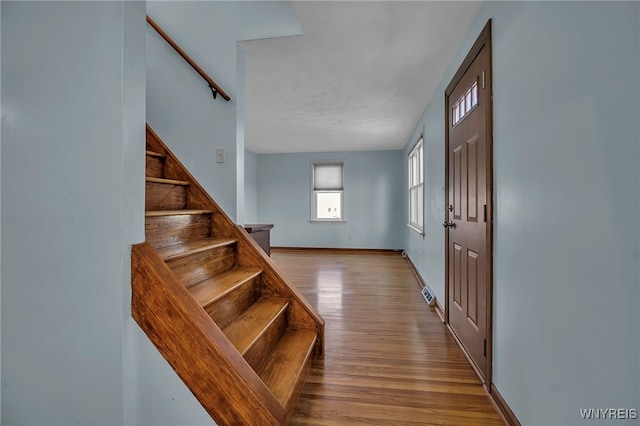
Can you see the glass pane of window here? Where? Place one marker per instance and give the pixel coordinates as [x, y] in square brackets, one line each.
[474, 95]
[411, 167]
[413, 171]
[420, 166]
[420, 205]
[413, 210]
[329, 205]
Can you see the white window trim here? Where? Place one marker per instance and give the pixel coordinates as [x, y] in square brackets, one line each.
[412, 225]
[313, 198]
[415, 228]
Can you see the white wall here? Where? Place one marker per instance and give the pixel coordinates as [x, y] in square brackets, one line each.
[133, 163]
[251, 187]
[0, 222]
[67, 199]
[240, 161]
[427, 252]
[566, 149]
[73, 192]
[161, 398]
[373, 201]
[179, 104]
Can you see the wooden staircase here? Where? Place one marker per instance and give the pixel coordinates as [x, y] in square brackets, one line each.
[216, 307]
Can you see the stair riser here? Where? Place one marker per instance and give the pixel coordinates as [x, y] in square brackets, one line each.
[154, 166]
[297, 389]
[161, 196]
[198, 267]
[224, 310]
[263, 345]
[286, 368]
[163, 231]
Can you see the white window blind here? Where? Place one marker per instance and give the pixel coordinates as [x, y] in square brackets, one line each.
[327, 177]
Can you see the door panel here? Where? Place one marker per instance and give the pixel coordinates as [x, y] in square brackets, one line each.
[467, 193]
[472, 179]
[457, 276]
[457, 181]
[472, 283]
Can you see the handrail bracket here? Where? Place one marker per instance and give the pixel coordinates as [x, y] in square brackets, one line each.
[215, 89]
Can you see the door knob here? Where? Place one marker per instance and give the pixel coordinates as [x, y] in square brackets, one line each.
[449, 224]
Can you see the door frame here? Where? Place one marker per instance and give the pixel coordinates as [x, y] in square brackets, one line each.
[483, 40]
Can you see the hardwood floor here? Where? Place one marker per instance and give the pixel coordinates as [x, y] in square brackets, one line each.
[389, 360]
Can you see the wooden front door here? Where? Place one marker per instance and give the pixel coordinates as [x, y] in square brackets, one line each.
[468, 214]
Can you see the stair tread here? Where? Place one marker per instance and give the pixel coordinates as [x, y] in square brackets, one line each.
[154, 213]
[155, 154]
[208, 291]
[167, 181]
[187, 248]
[282, 368]
[248, 327]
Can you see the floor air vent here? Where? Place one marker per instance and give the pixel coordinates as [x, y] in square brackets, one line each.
[428, 295]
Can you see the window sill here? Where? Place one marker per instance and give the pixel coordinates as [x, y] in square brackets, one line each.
[326, 221]
[416, 229]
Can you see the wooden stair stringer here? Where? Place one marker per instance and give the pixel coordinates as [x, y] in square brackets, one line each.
[302, 314]
[199, 283]
[192, 343]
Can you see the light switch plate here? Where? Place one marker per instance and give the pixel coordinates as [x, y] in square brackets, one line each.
[220, 155]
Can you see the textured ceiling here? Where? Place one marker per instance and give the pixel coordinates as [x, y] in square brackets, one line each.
[358, 79]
